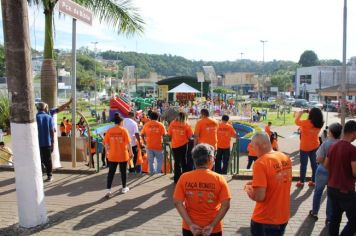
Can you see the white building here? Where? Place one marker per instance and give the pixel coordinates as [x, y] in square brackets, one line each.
[309, 80]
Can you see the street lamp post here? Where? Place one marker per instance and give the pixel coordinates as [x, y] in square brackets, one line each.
[95, 43]
[343, 79]
[263, 62]
[241, 89]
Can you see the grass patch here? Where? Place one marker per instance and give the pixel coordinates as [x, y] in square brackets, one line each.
[281, 120]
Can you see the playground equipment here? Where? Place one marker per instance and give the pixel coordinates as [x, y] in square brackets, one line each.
[143, 103]
[119, 104]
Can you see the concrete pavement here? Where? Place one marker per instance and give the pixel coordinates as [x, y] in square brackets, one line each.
[76, 206]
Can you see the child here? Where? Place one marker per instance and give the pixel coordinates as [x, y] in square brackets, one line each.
[252, 156]
[274, 141]
[92, 151]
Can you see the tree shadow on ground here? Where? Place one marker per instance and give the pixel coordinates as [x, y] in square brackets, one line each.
[244, 231]
[6, 182]
[296, 201]
[127, 206]
[94, 183]
[307, 227]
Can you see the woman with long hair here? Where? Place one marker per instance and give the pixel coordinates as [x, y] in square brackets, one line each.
[180, 132]
[309, 141]
[117, 144]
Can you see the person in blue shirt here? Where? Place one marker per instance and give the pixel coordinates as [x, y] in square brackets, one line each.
[45, 137]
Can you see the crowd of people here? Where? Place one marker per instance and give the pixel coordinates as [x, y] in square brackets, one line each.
[202, 196]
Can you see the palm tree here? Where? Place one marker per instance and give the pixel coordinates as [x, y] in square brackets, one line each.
[29, 185]
[118, 14]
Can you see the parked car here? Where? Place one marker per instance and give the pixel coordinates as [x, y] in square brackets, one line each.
[316, 104]
[271, 99]
[289, 101]
[300, 103]
[330, 107]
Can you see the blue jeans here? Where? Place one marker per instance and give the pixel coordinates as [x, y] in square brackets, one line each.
[304, 162]
[151, 154]
[321, 180]
[258, 229]
[222, 157]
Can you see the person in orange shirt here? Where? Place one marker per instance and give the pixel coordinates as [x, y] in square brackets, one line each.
[144, 119]
[225, 133]
[92, 150]
[206, 130]
[62, 127]
[68, 128]
[270, 188]
[268, 129]
[180, 132]
[202, 197]
[309, 142]
[152, 134]
[251, 155]
[274, 141]
[119, 151]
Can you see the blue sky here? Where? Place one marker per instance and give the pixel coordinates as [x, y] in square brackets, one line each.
[220, 30]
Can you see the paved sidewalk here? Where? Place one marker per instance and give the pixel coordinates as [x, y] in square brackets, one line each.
[76, 206]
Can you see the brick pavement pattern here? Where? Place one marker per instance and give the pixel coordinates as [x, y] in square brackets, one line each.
[76, 206]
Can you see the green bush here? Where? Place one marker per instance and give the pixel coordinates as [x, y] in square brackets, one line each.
[4, 113]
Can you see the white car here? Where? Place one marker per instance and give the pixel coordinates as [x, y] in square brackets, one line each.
[271, 99]
[289, 101]
[316, 104]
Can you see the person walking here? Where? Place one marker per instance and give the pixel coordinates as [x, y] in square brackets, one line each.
[206, 129]
[309, 142]
[268, 128]
[180, 132]
[119, 151]
[224, 134]
[131, 125]
[152, 134]
[269, 188]
[341, 164]
[252, 156]
[45, 128]
[321, 175]
[202, 197]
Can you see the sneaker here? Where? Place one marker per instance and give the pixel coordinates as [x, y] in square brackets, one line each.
[312, 215]
[299, 184]
[311, 184]
[107, 195]
[49, 179]
[125, 190]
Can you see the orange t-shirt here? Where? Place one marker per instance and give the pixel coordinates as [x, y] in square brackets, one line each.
[180, 133]
[268, 130]
[251, 151]
[206, 131]
[275, 145]
[225, 133]
[273, 171]
[154, 131]
[309, 139]
[118, 139]
[62, 128]
[68, 127]
[202, 191]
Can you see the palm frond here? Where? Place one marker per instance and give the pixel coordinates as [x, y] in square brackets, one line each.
[118, 14]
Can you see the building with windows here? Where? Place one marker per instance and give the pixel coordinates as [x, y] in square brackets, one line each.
[310, 80]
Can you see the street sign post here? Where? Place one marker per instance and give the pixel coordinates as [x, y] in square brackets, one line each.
[78, 13]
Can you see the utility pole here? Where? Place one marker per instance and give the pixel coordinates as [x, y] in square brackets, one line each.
[343, 79]
[263, 63]
[94, 43]
[29, 184]
[241, 89]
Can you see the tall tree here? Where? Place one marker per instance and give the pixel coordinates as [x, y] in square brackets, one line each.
[308, 58]
[29, 184]
[118, 14]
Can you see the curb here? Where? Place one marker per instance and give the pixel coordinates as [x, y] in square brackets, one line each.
[58, 171]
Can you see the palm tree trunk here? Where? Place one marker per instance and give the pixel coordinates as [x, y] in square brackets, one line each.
[48, 70]
[29, 184]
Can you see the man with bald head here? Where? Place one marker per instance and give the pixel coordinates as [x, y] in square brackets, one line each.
[270, 188]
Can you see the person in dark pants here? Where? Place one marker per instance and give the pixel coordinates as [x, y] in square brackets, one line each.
[251, 155]
[341, 164]
[180, 132]
[225, 133]
[117, 144]
[45, 137]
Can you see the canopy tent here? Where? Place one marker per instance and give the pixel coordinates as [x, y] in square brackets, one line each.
[183, 88]
[336, 90]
